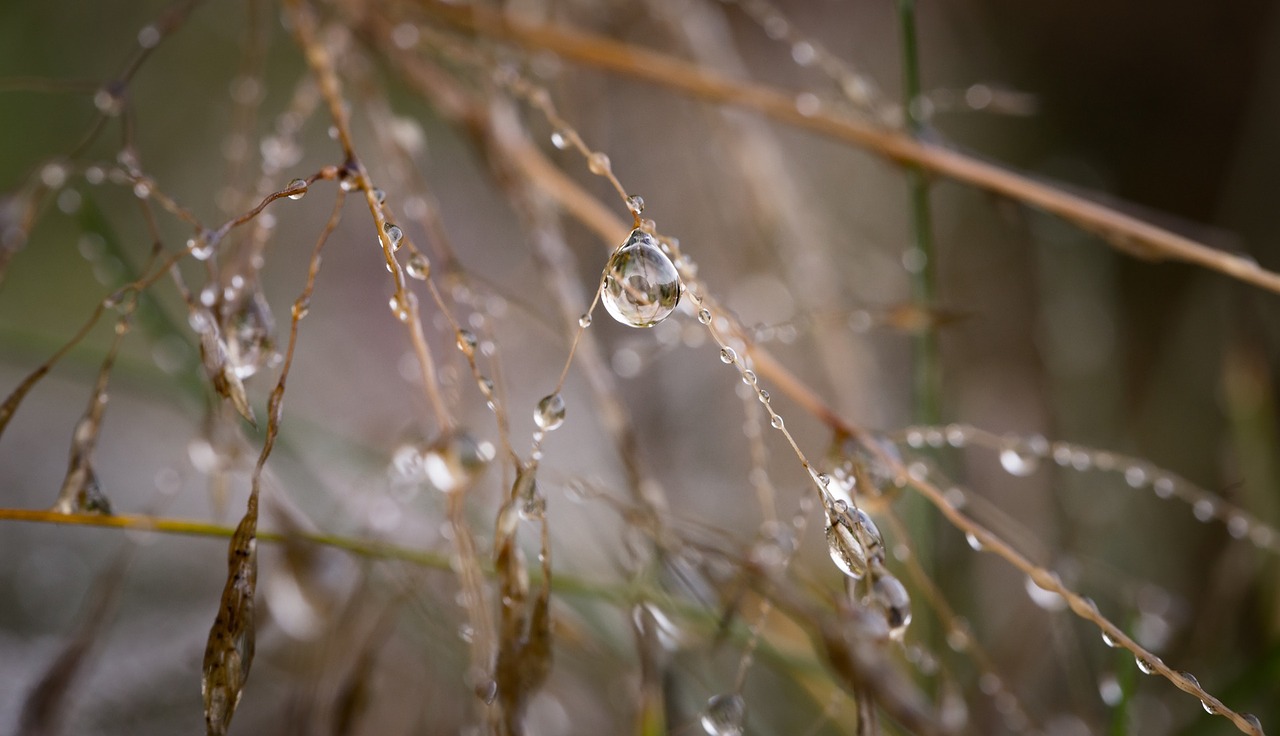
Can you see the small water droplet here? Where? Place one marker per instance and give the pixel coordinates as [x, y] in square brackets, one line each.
[467, 342]
[641, 286]
[704, 316]
[297, 189]
[400, 308]
[635, 203]
[379, 196]
[1018, 461]
[776, 421]
[584, 321]
[394, 234]
[454, 460]
[1106, 639]
[890, 596]
[727, 355]
[1135, 476]
[418, 266]
[974, 543]
[1204, 510]
[725, 715]
[763, 395]
[550, 412]
[598, 163]
[1047, 599]
[200, 248]
[560, 139]
[1144, 666]
[1253, 721]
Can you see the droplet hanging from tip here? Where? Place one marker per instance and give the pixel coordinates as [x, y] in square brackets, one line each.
[550, 412]
[725, 715]
[641, 285]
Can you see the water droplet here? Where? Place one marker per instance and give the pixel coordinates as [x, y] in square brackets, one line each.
[974, 543]
[852, 538]
[560, 140]
[1253, 721]
[704, 316]
[1144, 666]
[454, 460]
[379, 196]
[776, 421]
[635, 203]
[109, 101]
[418, 266]
[1163, 486]
[1135, 476]
[400, 307]
[890, 596]
[724, 715]
[1108, 640]
[1046, 599]
[550, 412]
[1018, 461]
[200, 248]
[298, 188]
[467, 342]
[598, 163]
[250, 335]
[1204, 509]
[394, 234]
[641, 286]
[727, 355]
[584, 321]
[763, 395]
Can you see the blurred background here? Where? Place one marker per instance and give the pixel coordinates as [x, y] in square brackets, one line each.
[1164, 113]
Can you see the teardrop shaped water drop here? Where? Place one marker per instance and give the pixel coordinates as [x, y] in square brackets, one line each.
[297, 189]
[852, 538]
[724, 715]
[394, 234]
[550, 412]
[418, 266]
[641, 286]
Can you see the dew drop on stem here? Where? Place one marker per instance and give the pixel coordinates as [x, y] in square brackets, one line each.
[724, 715]
[297, 189]
[641, 286]
[550, 412]
[1018, 461]
[418, 267]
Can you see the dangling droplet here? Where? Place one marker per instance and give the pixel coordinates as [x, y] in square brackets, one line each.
[724, 715]
[890, 596]
[852, 537]
[394, 234]
[298, 187]
[200, 247]
[550, 412]
[598, 163]
[1144, 666]
[454, 460]
[400, 308]
[560, 139]
[635, 203]
[418, 266]
[641, 286]
[1108, 640]
[584, 321]
[1018, 461]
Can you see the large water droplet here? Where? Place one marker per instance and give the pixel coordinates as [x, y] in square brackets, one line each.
[641, 286]
[550, 412]
[724, 715]
[852, 538]
[297, 189]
